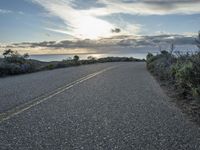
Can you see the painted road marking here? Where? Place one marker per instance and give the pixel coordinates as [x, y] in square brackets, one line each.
[19, 109]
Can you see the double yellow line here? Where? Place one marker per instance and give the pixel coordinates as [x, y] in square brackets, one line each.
[21, 108]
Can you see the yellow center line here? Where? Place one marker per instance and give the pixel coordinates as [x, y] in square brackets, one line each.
[19, 109]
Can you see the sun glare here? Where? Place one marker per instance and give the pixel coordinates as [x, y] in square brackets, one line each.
[92, 28]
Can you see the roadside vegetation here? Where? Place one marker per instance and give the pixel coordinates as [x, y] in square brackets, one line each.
[14, 63]
[183, 71]
[180, 72]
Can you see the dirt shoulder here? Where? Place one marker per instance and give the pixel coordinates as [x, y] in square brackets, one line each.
[187, 104]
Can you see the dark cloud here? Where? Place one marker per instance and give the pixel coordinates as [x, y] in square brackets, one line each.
[158, 40]
[162, 4]
[60, 44]
[116, 30]
[83, 4]
[142, 41]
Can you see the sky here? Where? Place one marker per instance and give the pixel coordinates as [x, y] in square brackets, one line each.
[97, 26]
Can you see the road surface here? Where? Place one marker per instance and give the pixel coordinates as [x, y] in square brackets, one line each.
[92, 107]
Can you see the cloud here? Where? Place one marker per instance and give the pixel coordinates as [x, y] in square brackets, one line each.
[6, 11]
[78, 24]
[84, 19]
[82, 23]
[123, 40]
[84, 5]
[3, 11]
[145, 7]
[167, 39]
[151, 7]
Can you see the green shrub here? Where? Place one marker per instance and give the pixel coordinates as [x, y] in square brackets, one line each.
[12, 68]
[183, 70]
[149, 56]
[183, 74]
[196, 91]
[160, 64]
[62, 64]
[14, 63]
[117, 59]
[76, 58]
[50, 67]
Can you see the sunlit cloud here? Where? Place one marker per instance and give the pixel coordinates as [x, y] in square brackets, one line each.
[3, 11]
[86, 22]
[78, 24]
[105, 23]
[82, 23]
[106, 45]
[60, 31]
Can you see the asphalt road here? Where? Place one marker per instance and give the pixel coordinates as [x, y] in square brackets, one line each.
[93, 107]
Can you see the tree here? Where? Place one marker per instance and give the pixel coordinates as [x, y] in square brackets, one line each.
[11, 56]
[198, 40]
[76, 58]
[8, 53]
[172, 47]
[26, 55]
